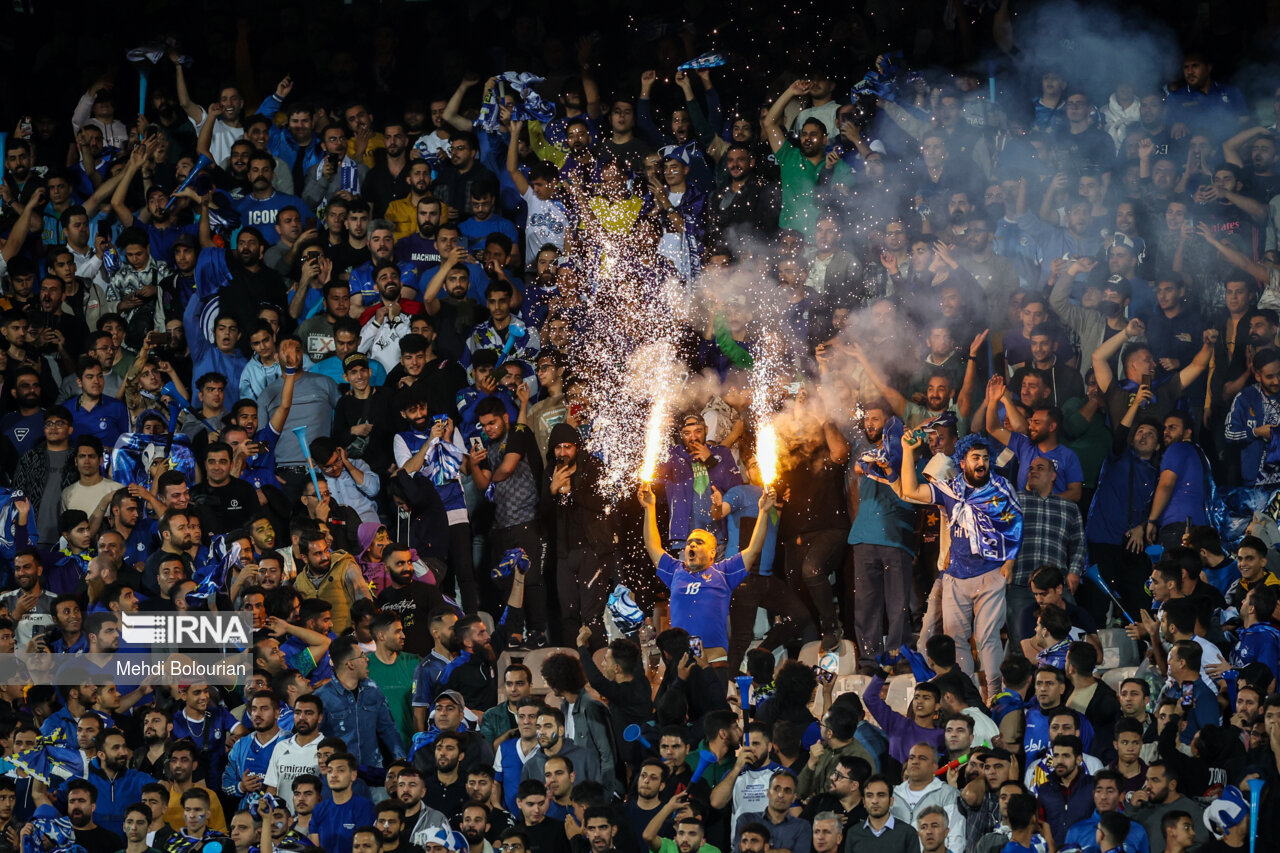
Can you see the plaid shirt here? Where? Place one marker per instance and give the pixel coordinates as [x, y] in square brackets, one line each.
[1052, 535]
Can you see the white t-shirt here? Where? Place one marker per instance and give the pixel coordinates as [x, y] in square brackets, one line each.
[224, 136]
[86, 498]
[546, 223]
[289, 760]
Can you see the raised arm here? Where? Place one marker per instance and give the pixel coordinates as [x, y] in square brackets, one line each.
[18, 234]
[1200, 363]
[205, 140]
[191, 108]
[773, 119]
[752, 552]
[430, 296]
[1260, 273]
[451, 116]
[290, 363]
[513, 159]
[964, 403]
[652, 538]
[912, 488]
[997, 392]
[886, 390]
[118, 205]
[1107, 350]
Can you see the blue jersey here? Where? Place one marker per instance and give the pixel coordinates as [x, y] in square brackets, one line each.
[260, 468]
[744, 510]
[1065, 462]
[1258, 643]
[335, 824]
[362, 280]
[700, 603]
[261, 213]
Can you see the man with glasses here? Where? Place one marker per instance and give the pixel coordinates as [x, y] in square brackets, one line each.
[455, 178]
[844, 796]
[44, 471]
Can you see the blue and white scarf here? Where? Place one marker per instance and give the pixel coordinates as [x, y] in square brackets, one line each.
[443, 463]
[529, 105]
[989, 516]
[883, 462]
[348, 174]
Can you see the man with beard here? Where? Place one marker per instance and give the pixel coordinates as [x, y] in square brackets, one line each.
[746, 785]
[22, 428]
[1255, 412]
[153, 758]
[82, 799]
[509, 460]
[159, 219]
[455, 313]
[747, 206]
[252, 283]
[295, 756]
[552, 743]
[363, 280]
[1066, 797]
[986, 524]
[474, 824]
[1034, 438]
[387, 321]
[419, 820]
[250, 757]
[802, 165]
[689, 463]
[389, 178]
[446, 787]
[455, 177]
[586, 538]
[994, 273]
[335, 175]
[21, 182]
[414, 227]
[883, 539]
[261, 206]
[115, 785]
[390, 825]
[407, 596]
[475, 678]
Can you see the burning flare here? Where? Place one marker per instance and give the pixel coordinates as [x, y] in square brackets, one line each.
[767, 454]
[654, 439]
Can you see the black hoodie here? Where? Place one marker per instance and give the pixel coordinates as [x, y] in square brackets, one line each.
[580, 517]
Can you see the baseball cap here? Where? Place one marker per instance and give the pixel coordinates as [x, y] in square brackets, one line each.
[1120, 285]
[356, 359]
[188, 240]
[452, 695]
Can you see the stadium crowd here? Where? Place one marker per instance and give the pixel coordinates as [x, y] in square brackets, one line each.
[328, 352]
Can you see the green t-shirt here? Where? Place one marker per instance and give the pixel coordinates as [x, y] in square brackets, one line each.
[396, 683]
[799, 178]
[669, 846]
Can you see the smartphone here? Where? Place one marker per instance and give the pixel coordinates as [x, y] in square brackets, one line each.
[310, 224]
[477, 443]
[335, 159]
[160, 339]
[823, 676]
[695, 646]
[1148, 378]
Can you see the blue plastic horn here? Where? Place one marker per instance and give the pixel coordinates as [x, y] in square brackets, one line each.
[1155, 552]
[1092, 573]
[631, 734]
[744, 691]
[705, 759]
[301, 433]
[202, 163]
[1255, 803]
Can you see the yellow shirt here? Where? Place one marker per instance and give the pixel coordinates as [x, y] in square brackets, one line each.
[173, 814]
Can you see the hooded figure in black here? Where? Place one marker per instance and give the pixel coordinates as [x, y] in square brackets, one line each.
[586, 540]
